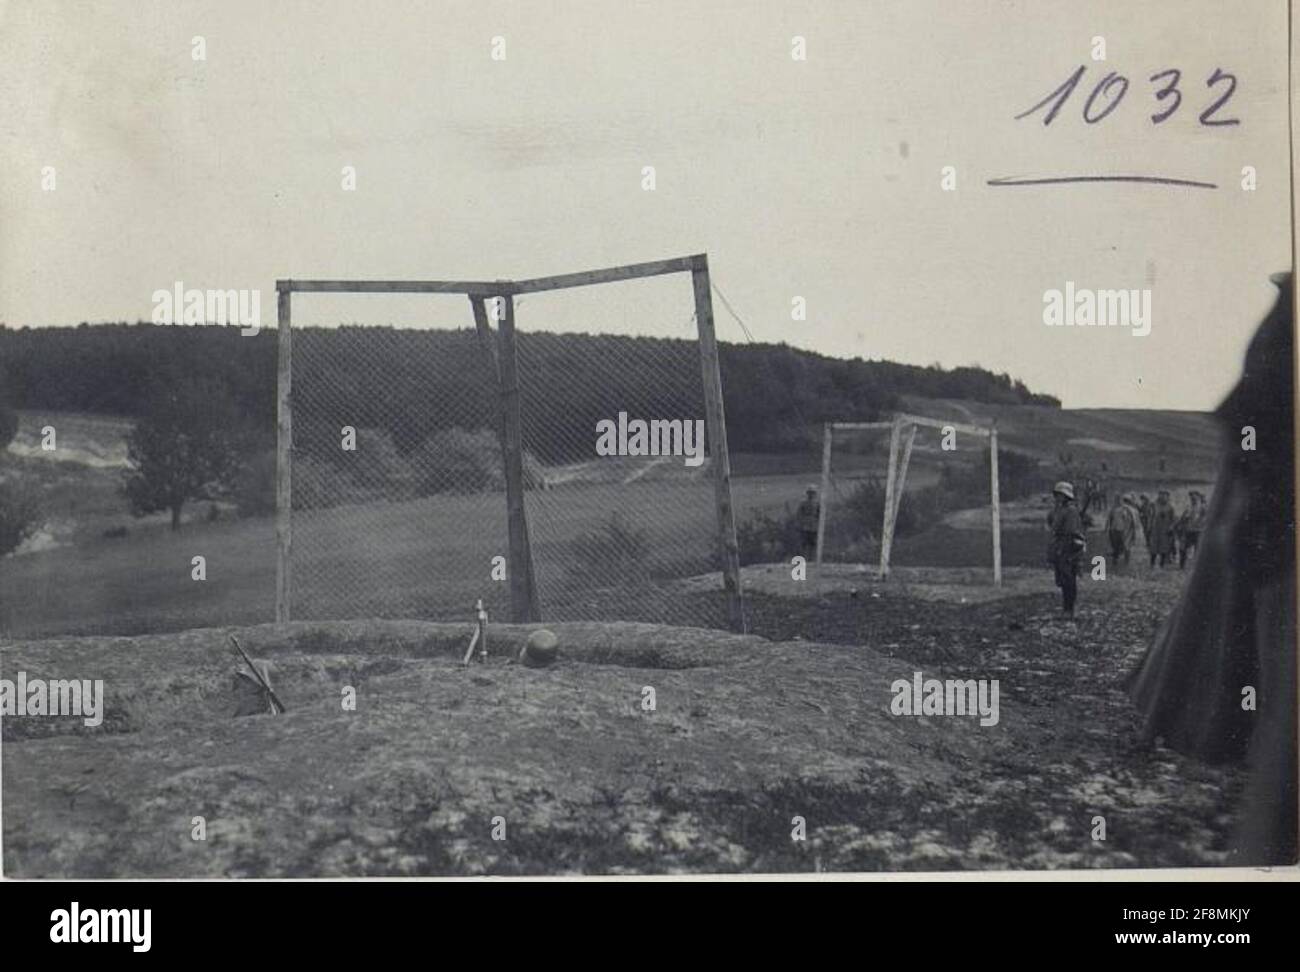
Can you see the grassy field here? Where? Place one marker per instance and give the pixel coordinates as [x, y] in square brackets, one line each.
[431, 558]
[422, 558]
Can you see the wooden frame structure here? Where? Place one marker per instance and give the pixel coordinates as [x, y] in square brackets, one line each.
[503, 363]
[897, 476]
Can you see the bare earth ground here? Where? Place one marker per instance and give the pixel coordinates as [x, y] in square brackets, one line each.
[747, 734]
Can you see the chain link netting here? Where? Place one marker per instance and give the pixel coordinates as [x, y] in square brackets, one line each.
[398, 484]
[852, 496]
[941, 496]
[398, 491]
[611, 534]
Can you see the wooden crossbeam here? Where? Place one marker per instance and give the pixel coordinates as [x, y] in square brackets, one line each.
[838, 426]
[941, 423]
[497, 288]
[475, 288]
[629, 271]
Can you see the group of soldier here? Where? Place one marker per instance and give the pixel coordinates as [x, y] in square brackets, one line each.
[1166, 533]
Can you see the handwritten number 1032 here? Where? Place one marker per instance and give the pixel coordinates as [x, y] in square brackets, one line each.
[1107, 94]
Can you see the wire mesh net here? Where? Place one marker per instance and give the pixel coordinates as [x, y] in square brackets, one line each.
[941, 494]
[617, 423]
[853, 495]
[399, 492]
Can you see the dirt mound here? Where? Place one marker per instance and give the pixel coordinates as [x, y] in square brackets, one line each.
[171, 679]
[582, 774]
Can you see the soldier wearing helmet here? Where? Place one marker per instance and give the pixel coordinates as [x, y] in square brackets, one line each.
[1067, 544]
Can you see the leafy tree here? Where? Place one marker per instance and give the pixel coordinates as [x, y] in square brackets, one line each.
[8, 425]
[20, 514]
[185, 446]
[20, 510]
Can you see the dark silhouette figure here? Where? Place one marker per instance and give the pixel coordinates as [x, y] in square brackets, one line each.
[1219, 682]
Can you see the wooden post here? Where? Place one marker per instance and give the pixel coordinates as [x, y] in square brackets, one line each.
[283, 455]
[826, 485]
[523, 586]
[902, 471]
[887, 529]
[482, 629]
[997, 506]
[716, 424]
[486, 339]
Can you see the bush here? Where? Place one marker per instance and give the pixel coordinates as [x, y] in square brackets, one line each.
[461, 461]
[254, 491]
[763, 539]
[854, 523]
[324, 475]
[8, 426]
[458, 461]
[20, 514]
[619, 551]
[966, 485]
[859, 518]
[1019, 475]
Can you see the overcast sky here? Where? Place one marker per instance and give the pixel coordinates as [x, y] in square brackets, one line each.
[817, 178]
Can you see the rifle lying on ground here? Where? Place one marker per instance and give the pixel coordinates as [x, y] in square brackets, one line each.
[276, 705]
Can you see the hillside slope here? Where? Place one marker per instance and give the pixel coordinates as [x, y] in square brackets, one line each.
[1131, 442]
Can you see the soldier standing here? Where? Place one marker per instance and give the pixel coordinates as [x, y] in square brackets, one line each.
[1067, 545]
[1160, 537]
[1192, 522]
[1121, 529]
[809, 514]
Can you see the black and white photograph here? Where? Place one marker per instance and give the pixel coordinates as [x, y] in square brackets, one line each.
[640, 440]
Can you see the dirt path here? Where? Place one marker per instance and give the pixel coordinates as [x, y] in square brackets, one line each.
[1074, 752]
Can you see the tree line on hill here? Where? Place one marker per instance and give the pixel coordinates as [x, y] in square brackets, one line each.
[424, 404]
[413, 383]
